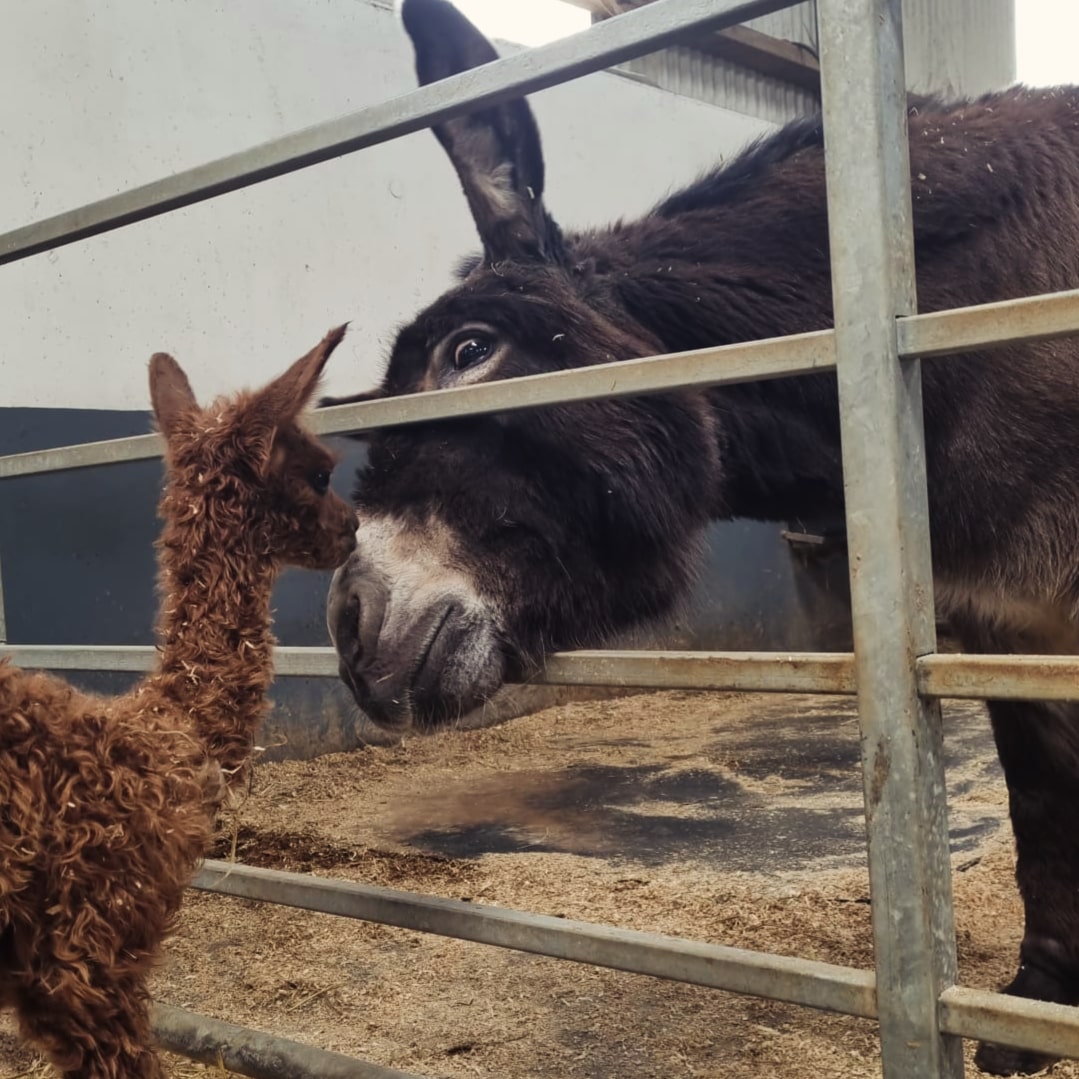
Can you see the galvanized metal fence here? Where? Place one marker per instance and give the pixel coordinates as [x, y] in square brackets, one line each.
[875, 349]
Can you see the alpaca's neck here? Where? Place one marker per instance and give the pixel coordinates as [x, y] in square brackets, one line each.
[214, 634]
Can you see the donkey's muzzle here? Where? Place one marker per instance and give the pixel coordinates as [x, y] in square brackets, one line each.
[412, 658]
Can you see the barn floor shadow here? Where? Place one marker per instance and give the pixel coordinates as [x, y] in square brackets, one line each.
[774, 794]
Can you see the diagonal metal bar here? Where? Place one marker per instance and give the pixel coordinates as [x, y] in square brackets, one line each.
[755, 361]
[798, 981]
[114, 451]
[601, 46]
[759, 360]
[986, 326]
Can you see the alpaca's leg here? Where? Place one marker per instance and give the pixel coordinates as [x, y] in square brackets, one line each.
[1039, 750]
[91, 1026]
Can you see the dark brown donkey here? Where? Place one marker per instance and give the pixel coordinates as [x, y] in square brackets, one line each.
[488, 542]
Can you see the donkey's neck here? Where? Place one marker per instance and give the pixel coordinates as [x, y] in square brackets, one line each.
[696, 281]
[216, 660]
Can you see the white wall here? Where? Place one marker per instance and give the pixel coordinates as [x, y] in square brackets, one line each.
[100, 95]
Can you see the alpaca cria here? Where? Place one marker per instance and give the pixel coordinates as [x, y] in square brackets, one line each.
[108, 804]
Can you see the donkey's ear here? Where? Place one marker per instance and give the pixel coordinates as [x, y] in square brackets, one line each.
[284, 398]
[353, 399]
[170, 392]
[495, 151]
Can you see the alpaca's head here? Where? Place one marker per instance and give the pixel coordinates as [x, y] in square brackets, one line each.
[245, 474]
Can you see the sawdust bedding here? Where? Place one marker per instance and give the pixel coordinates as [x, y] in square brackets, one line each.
[728, 818]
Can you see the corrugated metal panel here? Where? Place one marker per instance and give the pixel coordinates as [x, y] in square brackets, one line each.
[798, 23]
[959, 48]
[718, 82]
[953, 47]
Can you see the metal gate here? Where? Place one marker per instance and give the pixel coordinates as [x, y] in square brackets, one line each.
[875, 349]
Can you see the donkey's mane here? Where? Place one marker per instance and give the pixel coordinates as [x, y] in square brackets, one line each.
[727, 182]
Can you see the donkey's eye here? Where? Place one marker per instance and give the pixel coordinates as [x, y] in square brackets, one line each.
[320, 482]
[471, 350]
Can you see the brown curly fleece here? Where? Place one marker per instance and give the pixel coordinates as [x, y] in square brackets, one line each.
[107, 805]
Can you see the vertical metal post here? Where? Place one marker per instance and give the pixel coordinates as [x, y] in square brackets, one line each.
[869, 210]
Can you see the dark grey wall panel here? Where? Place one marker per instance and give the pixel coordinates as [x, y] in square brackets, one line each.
[76, 550]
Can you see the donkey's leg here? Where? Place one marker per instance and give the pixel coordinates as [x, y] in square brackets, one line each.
[1039, 750]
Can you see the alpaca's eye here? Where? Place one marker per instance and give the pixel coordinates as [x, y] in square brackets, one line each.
[320, 482]
[470, 351]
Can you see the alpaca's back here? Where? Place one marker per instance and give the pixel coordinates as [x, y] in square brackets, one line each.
[106, 809]
[111, 786]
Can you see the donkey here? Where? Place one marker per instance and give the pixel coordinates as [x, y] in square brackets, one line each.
[485, 543]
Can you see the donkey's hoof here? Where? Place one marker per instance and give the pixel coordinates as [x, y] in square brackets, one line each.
[1004, 1060]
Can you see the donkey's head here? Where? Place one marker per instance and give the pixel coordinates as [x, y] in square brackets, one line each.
[485, 543]
[246, 473]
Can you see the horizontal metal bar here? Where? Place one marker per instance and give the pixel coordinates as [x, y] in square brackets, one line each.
[948, 675]
[612, 42]
[766, 672]
[1010, 678]
[82, 657]
[991, 325]
[253, 1053]
[1052, 1029]
[138, 659]
[809, 672]
[797, 981]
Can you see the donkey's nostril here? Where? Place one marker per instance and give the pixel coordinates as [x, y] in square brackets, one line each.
[347, 631]
[371, 611]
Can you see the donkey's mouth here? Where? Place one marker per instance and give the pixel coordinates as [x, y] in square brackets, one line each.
[419, 647]
[428, 663]
[426, 678]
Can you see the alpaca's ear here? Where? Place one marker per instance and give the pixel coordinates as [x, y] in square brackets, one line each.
[496, 151]
[170, 392]
[284, 398]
